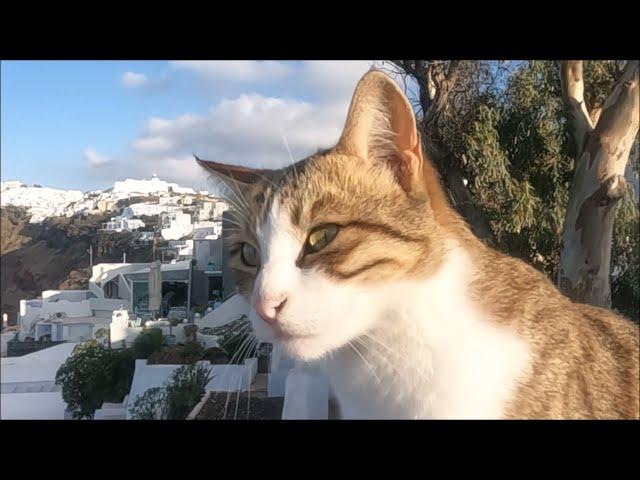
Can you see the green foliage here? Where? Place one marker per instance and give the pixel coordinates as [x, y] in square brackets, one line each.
[238, 344]
[176, 399]
[215, 356]
[186, 388]
[625, 254]
[192, 352]
[150, 405]
[188, 353]
[150, 340]
[92, 375]
[519, 163]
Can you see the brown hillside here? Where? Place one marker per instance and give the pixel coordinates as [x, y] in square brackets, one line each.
[53, 255]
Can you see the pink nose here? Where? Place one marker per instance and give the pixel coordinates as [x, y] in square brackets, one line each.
[269, 307]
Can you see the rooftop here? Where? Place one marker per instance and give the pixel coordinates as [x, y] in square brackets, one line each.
[32, 406]
[40, 366]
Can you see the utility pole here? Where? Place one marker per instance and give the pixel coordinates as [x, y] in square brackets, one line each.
[124, 257]
[90, 257]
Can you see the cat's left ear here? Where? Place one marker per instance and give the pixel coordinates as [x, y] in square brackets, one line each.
[381, 127]
[233, 175]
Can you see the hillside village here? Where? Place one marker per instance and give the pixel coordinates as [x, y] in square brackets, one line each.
[106, 271]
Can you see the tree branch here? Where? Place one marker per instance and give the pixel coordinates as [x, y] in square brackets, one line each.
[572, 83]
[618, 124]
[441, 85]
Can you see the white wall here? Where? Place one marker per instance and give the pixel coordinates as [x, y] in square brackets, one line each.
[31, 311]
[70, 295]
[109, 304]
[180, 226]
[306, 394]
[32, 406]
[231, 378]
[80, 332]
[4, 338]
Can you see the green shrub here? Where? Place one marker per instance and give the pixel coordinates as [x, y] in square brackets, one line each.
[149, 341]
[238, 345]
[166, 356]
[174, 400]
[192, 352]
[150, 405]
[92, 375]
[188, 353]
[215, 356]
[186, 388]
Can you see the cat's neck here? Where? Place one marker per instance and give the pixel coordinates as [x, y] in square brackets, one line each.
[431, 354]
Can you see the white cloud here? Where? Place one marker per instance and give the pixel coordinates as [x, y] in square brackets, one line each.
[152, 144]
[93, 158]
[236, 70]
[134, 80]
[248, 128]
[333, 77]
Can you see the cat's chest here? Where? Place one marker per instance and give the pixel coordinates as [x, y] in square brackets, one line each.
[452, 365]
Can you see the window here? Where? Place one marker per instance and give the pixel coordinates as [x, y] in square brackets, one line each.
[111, 289]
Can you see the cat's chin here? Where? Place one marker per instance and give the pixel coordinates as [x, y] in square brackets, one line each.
[305, 349]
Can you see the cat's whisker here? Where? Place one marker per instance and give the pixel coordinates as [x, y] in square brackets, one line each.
[242, 210]
[236, 355]
[367, 364]
[396, 355]
[293, 163]
[240, 201]
[400, 368]
[386, 387]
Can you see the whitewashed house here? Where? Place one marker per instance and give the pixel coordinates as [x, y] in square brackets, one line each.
[175, 225]
[123, 224]
[65, 315]
[27, 385]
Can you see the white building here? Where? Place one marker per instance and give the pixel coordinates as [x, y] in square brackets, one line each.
[28, 388]
[148, 209]
[11, 184]
[147, 187]
[168, 200]
[219, 209]
[123, 224]
[66, 315]
[224, 378]
[77, 315]
[175, 225]
[41, 202]
[210, 230]
[144, 237]
[183, 249]
[129, 283]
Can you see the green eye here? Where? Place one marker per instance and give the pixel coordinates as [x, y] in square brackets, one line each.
[250, 255]
[321, 237]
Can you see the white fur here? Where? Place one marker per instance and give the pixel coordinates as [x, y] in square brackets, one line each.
[402, 350]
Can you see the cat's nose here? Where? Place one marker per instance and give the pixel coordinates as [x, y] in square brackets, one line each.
[269, 307]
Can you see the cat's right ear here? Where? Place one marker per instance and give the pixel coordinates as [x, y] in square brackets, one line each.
[381, 128]
[233, 175]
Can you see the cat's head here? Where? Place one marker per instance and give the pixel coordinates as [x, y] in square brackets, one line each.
[317, 247]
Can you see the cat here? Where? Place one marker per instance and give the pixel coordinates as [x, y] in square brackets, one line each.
[354, 256]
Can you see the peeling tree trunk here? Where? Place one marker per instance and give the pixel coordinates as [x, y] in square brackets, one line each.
[603, 143]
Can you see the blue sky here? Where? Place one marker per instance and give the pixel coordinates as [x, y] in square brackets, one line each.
[84, 124]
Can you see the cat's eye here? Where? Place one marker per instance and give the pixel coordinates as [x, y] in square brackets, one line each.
[249, 255]
[320, 237]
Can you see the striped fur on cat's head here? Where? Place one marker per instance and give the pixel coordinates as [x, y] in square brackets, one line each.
[317, 246]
